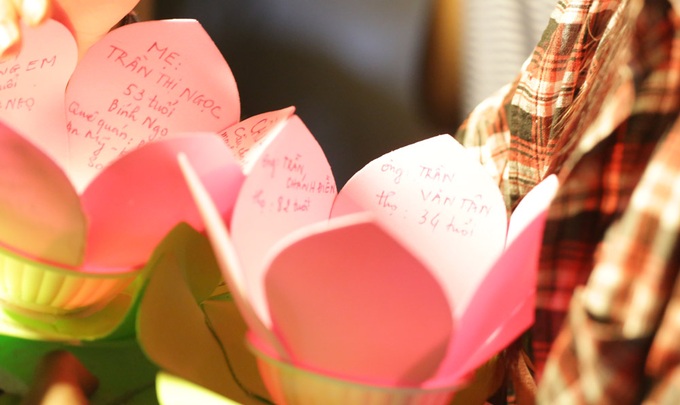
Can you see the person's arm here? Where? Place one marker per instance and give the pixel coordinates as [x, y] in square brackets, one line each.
[619, 344]
[61, 379]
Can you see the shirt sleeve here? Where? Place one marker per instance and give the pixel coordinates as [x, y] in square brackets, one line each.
[620, 342]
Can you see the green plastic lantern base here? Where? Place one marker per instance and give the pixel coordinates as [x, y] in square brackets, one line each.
[32, 286]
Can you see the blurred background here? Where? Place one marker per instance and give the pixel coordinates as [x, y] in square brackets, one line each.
[367, 76]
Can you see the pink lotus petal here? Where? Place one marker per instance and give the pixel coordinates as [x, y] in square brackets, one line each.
[348, 300]
[138, 199]
[439, 203]
[32, 87]
[244, 137]
[40, 213]
[288, 185]
[506, 294]
[140, 83]
[227, 258]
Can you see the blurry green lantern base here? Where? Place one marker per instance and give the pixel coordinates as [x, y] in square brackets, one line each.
[46, 308]
[189, 326]
[125, 374]
[48, 289]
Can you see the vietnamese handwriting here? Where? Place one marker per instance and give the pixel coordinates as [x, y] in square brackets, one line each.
[167, 107]
[464, 226]
[100, 142]
[35, 64]
[287, 204]
[269, 162]
[248, 135]
[105, 127]
[126, 111]
[143, 66]
[297, 176]
[437, 197]
[13, 70]
[288, 164]
[281, 204]
[17, 104]
[133, 64]
[465, 208]
[136, 64]
[472, 205]
[311, 186]
[385, 200]
[293, 165]
[201, 101]
[163, 107]
[259, 199]
[436, 174]
[144, 107]
[9, 83]
[392, 169]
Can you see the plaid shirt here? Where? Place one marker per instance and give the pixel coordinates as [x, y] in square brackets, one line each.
[598, 104]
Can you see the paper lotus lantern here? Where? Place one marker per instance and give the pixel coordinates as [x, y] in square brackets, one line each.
[89, 182]
[412, 279]
[289, 384]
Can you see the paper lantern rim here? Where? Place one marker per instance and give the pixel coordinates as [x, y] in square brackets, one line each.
[38, 289]
[89, 271]
[281, 366]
